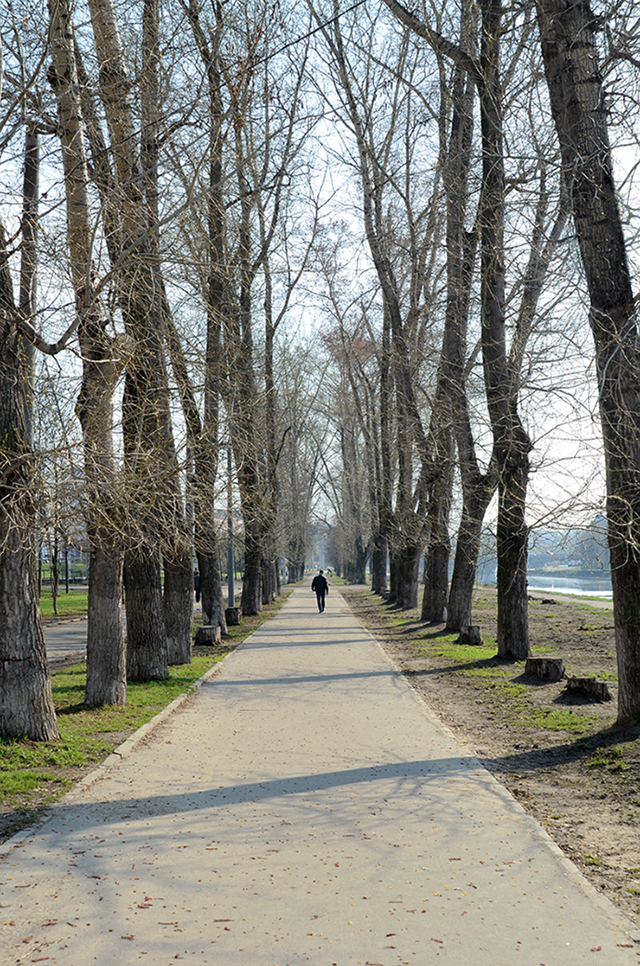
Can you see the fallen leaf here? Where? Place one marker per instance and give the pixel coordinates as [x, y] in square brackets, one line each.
[145, 905]
[223, 920]
[27, 939]
[437, 940]
[127, 937]
[94, 877]
[227, 929]
[596, 949]
[52, 922]
[625, 945]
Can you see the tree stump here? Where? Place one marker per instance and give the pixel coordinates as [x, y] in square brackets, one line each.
[208, 634]
[598, 690]
[232, 616]
[471, 636]
[548, 668]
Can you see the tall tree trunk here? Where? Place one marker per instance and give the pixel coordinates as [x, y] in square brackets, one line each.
[105, 683]
[578, 103]
[148, 442]
[512, 445]
[410, 529]
[206, 433]
[474, 507]
[251, 602]
[147, 658]
[176, 551]
[178, 605]
[407, 565]
[436, 587]
[26, 703]
[245, 401]
[386, 486]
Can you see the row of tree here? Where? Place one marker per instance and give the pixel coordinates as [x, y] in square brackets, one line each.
[482, 248]
[204, 156]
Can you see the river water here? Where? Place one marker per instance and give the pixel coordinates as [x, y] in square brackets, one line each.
[584, 587]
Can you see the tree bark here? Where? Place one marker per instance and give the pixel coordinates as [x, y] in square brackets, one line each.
[147, 658]
[436, 588]
[176, 551]
[26, 702]
[405, 584]
[459, 606]
[511, 443]
[578, 103]
[105, 683]
[178, 606]
[148, 441]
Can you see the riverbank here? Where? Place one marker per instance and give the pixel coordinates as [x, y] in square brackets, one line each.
[562, 757]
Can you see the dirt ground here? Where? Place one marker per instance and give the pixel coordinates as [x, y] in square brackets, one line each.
[561, 756]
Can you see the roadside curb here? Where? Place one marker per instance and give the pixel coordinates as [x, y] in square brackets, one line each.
[615, 914]
[123, 751]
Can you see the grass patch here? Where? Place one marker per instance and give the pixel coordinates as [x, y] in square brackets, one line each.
[612, 759]
[34, 773]
[558, 719]
[497, 682]
[73, 604]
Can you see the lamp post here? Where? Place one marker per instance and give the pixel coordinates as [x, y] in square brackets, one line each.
[231, 593]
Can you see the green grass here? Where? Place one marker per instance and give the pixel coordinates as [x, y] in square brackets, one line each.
[497, 680]
[610, 758]
[558, 719]
[33, 774]
[87, 735]
[73, 604]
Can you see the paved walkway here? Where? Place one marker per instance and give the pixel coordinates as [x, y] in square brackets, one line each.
[65, 639]
[303, 807]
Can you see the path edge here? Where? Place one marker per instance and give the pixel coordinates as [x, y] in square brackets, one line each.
[618, 917]
[118, 754]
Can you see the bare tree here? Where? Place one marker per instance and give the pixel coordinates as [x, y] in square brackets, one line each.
[579, 106]
[106, 682]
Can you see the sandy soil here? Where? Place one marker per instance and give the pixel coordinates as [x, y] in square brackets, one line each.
[561, 756]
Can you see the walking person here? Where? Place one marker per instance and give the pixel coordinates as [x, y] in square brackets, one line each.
[196, 585]
[320, 586]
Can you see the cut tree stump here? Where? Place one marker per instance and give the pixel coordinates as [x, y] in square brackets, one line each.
[471, 635]
[232, 616]
[208, 634]
[598, 690]
[548, 668]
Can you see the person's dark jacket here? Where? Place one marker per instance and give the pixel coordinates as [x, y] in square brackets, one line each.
[320, 584]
